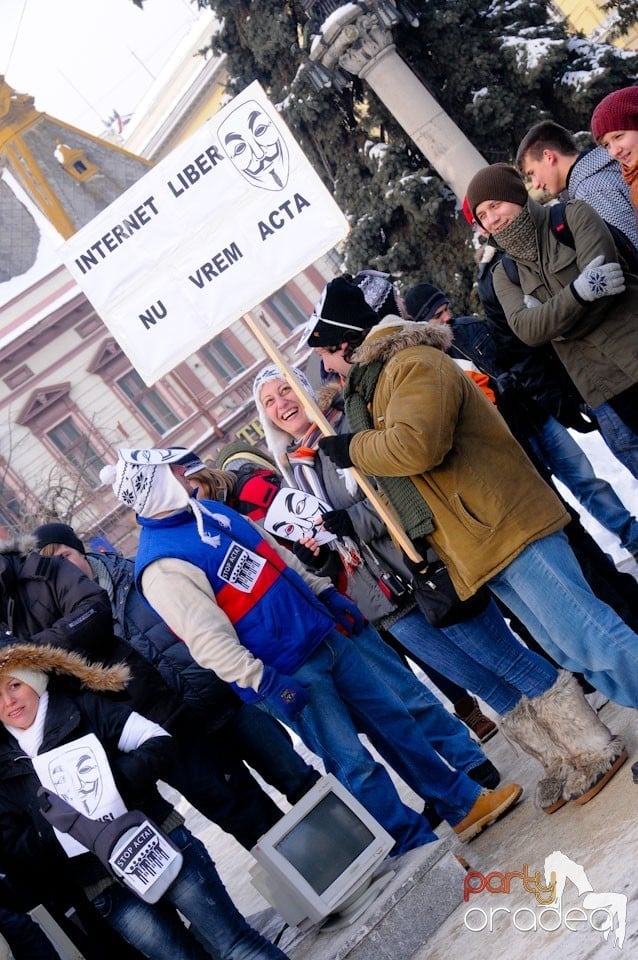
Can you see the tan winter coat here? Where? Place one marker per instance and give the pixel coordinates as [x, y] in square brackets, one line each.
[596, 342]
[433, 424]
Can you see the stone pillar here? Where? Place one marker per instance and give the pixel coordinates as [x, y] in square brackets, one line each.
[359, 44]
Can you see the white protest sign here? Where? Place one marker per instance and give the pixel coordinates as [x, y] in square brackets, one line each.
[216, 227]
[80, 773]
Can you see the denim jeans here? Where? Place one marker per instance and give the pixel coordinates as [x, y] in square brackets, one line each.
[621, 439]
[342, 688]
[25, 938]
[567, 461]
[267, 747]
[483, 655]
[449, 737]
[210, 775]
[199, 894]
[545, 587]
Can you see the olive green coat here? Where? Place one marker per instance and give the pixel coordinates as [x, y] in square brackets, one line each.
[433, 424]
[597, 342]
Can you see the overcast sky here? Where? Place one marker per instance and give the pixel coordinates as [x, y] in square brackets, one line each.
[83, 59]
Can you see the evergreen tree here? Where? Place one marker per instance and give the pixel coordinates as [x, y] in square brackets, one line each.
[495, 67]
[625, 13]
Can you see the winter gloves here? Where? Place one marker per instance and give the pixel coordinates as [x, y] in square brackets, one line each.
[339, 523]
[599, 279]
[283, 692]
[337, 448]
[308, 556]
[347, 614]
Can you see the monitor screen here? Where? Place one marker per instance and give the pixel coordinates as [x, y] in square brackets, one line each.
[325, 843]
[320, 855]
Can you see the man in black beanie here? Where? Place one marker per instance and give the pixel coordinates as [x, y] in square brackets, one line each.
[486, 512]
[574, 297]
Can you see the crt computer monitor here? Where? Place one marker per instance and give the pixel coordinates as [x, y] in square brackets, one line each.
[320, 857]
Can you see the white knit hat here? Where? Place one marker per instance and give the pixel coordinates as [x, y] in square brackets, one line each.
[38, 680]
[143, 480]
[277, 440]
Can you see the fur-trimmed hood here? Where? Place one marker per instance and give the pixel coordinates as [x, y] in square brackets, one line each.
[30, 656]
[21, 544]
[394, 334]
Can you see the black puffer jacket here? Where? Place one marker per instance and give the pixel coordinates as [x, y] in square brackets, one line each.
[47, 600]
[33, 857]
[138, 624]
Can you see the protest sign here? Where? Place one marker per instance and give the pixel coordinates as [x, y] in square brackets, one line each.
[221, 223]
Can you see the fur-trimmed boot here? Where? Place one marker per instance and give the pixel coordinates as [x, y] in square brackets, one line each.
[590, 753]
[522, 727]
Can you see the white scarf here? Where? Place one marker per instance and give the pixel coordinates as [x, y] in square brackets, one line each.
[30, 740]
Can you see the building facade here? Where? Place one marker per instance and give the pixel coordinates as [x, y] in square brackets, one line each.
[590, 18]
[68, 394]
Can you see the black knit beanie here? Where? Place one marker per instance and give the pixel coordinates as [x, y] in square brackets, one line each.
[57, 533]
[499, 181]
[423, 300]
[342, 308]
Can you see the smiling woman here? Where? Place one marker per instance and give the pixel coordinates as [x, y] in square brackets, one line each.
[20, 697]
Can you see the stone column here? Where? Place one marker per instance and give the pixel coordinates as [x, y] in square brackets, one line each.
[359, 44]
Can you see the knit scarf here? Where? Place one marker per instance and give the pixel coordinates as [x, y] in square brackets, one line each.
[630, 176]
[518, 239]
[413, 511]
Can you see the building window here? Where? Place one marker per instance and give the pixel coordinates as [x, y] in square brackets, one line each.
[9, 508]
[148, 401]
[286, 310]
[222, 358]
[77, 450]
[75, 162]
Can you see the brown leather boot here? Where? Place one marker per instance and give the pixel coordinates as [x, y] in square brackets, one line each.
[468, 710]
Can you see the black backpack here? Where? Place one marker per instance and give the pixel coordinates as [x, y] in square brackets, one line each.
[560, 228]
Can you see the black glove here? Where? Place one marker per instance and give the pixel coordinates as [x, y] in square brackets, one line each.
[337, 448]
[307, 557]
[339, 523]
[418, 567]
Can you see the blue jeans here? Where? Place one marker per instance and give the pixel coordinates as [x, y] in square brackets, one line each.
[621, 439]
[25, 938]
[567, 461]
[545, 587]
[341, 688]
[208, 772]
[449, 737]
[199, 894]
[267, 747]
[483, 655]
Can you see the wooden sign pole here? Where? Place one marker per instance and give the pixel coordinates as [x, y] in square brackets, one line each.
[386, 513]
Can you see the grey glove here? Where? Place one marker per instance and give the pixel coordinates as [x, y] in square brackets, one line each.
[599, 279]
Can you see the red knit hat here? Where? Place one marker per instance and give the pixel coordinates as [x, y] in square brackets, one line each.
[616, 111]
[467, 212]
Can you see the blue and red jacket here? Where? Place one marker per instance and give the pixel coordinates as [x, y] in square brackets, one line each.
[275, 614]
